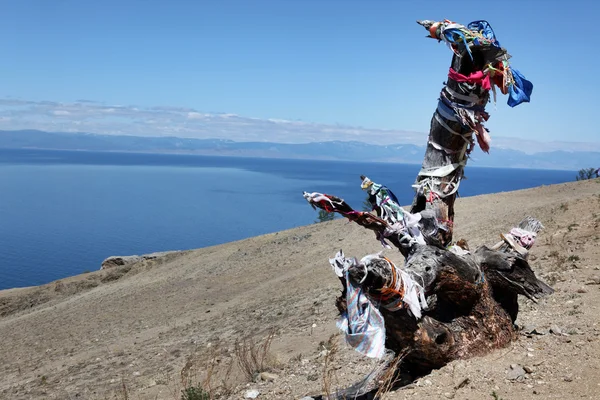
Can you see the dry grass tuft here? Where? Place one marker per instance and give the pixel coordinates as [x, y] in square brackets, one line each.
[390, 377]
[329, 376]
[207, 376]
[254, 358]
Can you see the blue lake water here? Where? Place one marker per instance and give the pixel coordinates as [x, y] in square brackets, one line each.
[63, 212]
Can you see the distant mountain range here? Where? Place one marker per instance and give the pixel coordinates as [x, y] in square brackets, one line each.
[330, 150]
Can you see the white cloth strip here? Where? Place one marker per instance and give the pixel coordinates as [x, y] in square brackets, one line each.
[441, 171]
[445, 125]
[471, 99]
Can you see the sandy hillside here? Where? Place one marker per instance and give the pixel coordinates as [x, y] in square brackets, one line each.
[133, 332]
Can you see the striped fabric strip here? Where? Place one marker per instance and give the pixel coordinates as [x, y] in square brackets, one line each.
[363, 323]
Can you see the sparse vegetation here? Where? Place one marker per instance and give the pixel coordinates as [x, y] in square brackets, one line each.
[573, 258]
[570, 227]
[495, 396]
[254, 358]
[325, 216]
[390, 376]
[206, 376]
[329, 378]
[586, 173]
[560, 260]
[124, 392]
[564, 207]
[195, 393]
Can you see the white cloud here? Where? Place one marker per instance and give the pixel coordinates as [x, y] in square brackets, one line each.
[195, 115]
[92, 117]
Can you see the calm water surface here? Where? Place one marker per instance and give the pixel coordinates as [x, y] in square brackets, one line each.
[62, 213]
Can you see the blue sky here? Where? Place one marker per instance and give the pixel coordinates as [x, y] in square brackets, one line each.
[168, 66]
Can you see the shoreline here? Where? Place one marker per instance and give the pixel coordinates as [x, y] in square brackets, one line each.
[166, 252]
[139, 325]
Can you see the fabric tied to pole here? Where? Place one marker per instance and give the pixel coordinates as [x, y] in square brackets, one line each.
[441, 171]
[485, 29]
[526, 238]
[408, 293]
[414, 295]
[399, 221]
[446, 112]
[520, 91]
[477, 77]
[362, 322]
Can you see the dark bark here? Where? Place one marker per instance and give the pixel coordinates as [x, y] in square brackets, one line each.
[471, 301]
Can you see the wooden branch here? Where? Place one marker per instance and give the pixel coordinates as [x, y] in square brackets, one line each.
[383, 230]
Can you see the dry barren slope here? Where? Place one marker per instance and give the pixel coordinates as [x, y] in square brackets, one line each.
[127, 333]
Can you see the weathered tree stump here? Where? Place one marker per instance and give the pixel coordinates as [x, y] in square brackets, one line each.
[446, 302]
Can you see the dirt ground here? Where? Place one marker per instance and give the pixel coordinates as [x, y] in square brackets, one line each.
[148, 330]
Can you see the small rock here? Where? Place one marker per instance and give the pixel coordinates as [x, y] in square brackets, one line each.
[427, 382]
[532, 330]
[136, 373]
[516, 372]
[527, 328]
[251, 394]
[555, 330]
[528, 369]
[594, 280]
[307, 398]
[463, 382]
[568, 378]
[323, 353]
[267, 376]
[449, 395]
[581, 290]
[117, 261]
